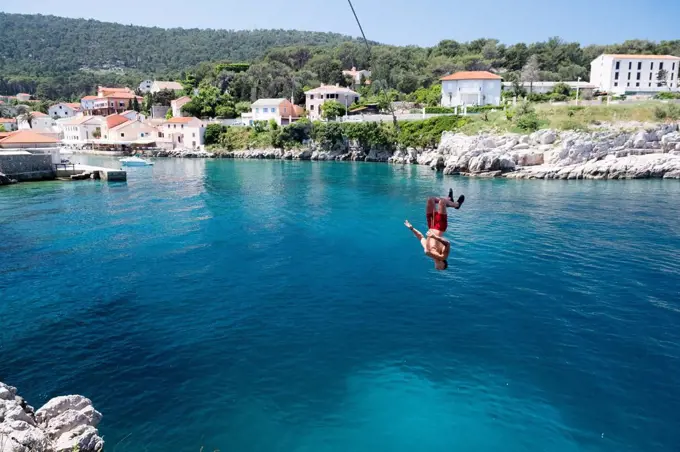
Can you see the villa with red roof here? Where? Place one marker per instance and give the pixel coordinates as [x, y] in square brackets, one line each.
[109, 101]
[187, 133]
[64, 110]
[471, 88]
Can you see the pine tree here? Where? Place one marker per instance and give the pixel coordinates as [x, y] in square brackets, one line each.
[135, 105]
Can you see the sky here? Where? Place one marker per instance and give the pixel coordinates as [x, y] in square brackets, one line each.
[400, 22]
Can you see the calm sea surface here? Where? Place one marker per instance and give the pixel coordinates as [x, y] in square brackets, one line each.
[282, 306]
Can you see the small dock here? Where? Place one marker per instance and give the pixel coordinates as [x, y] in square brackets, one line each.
[77, 171]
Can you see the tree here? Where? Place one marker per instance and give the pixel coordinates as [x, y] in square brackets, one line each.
[332, 109]
[25, 115]
[97, 133]
[168, 115]
[562, 89]
[662, 77]
[242, 107]
[327, 68]
[135, 105]
[2, 128]
[129, 107]
[530, 72]
[163, 97]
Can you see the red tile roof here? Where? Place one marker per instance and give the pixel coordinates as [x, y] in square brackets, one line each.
[90, 98]
[74, 105]
[8, 120]
[472, 75]
[182, 120]
[38, 114]
[27, 137]
[115, 120]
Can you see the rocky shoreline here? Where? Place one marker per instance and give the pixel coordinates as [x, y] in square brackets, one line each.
[63, 424]
[547, 154]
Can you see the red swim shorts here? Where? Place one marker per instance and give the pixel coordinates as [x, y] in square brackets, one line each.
[437, 221]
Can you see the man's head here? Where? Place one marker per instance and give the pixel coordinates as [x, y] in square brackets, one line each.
[441, 264]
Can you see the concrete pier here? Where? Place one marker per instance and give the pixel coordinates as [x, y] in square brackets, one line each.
[108, 174]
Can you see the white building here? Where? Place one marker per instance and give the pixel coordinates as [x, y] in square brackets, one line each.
[357, 74]
[9, 124]
[281, 110]
[315, 98]
[471, 88]
[131, 132]
[82, 129]
[87, 103]
[23, 97]
[145, 86]
[184, 132]
[177, 105]
[40, 122]
[64, 110]
[634, 73]
[160, 86]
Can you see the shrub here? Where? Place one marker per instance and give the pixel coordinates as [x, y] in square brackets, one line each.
[439, 110]
[562, 89]
[260, 126]
[528, 122]
[667, 95]
[327, 134]
[669, 111]
[538, 97]
[332, 109]
[524, 108]
[212, 133]
[427, 133]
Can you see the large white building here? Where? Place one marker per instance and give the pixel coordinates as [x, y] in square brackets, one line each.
[64, 110]
[315, 98]
[40, 122]
[471, 88]
[81, 129]
[634, 73]
[281, 110]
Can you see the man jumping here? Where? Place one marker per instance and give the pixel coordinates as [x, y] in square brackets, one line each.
[434, 244]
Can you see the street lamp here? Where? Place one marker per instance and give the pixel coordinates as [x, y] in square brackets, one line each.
[578, 85]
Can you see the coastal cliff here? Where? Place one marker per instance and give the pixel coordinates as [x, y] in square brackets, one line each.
[609, 153]
[62, 424]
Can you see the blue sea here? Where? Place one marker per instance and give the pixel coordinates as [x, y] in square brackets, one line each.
[256, 306]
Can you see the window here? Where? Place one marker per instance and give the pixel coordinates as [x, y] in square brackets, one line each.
[122, 135]
[637, 84]
[273, 110]
[182, 126]
[193, 144]
[193, 135]
[628, 84]
[651, 66]
[311, 96]
[257, 110]
[616, 75]
[630, 66]
[311, 107]
[651, 76]
[59, 107]
[175, 126]
[672, 76]
[141, 134]
[673, 67]
[660, 66]
[616, 84]
[618, 64]
[285, 109]
[639, 65]
[638, 76]
[629, 76]
[650, 84]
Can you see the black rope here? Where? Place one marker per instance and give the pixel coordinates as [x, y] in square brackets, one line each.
[368, 47]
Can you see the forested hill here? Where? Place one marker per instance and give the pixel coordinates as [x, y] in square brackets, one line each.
[37, 44]
[55, 58]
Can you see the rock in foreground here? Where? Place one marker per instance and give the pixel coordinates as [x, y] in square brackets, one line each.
[64, 423]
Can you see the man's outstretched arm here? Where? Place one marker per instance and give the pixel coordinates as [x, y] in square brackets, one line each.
[416, 232]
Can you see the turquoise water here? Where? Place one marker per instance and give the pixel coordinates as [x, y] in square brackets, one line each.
[282, 306]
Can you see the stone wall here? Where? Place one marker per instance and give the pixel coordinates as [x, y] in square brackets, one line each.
[27, 167]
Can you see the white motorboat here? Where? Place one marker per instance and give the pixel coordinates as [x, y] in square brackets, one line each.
[135, 161]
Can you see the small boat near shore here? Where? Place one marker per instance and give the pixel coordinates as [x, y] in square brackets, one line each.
[135, 161]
